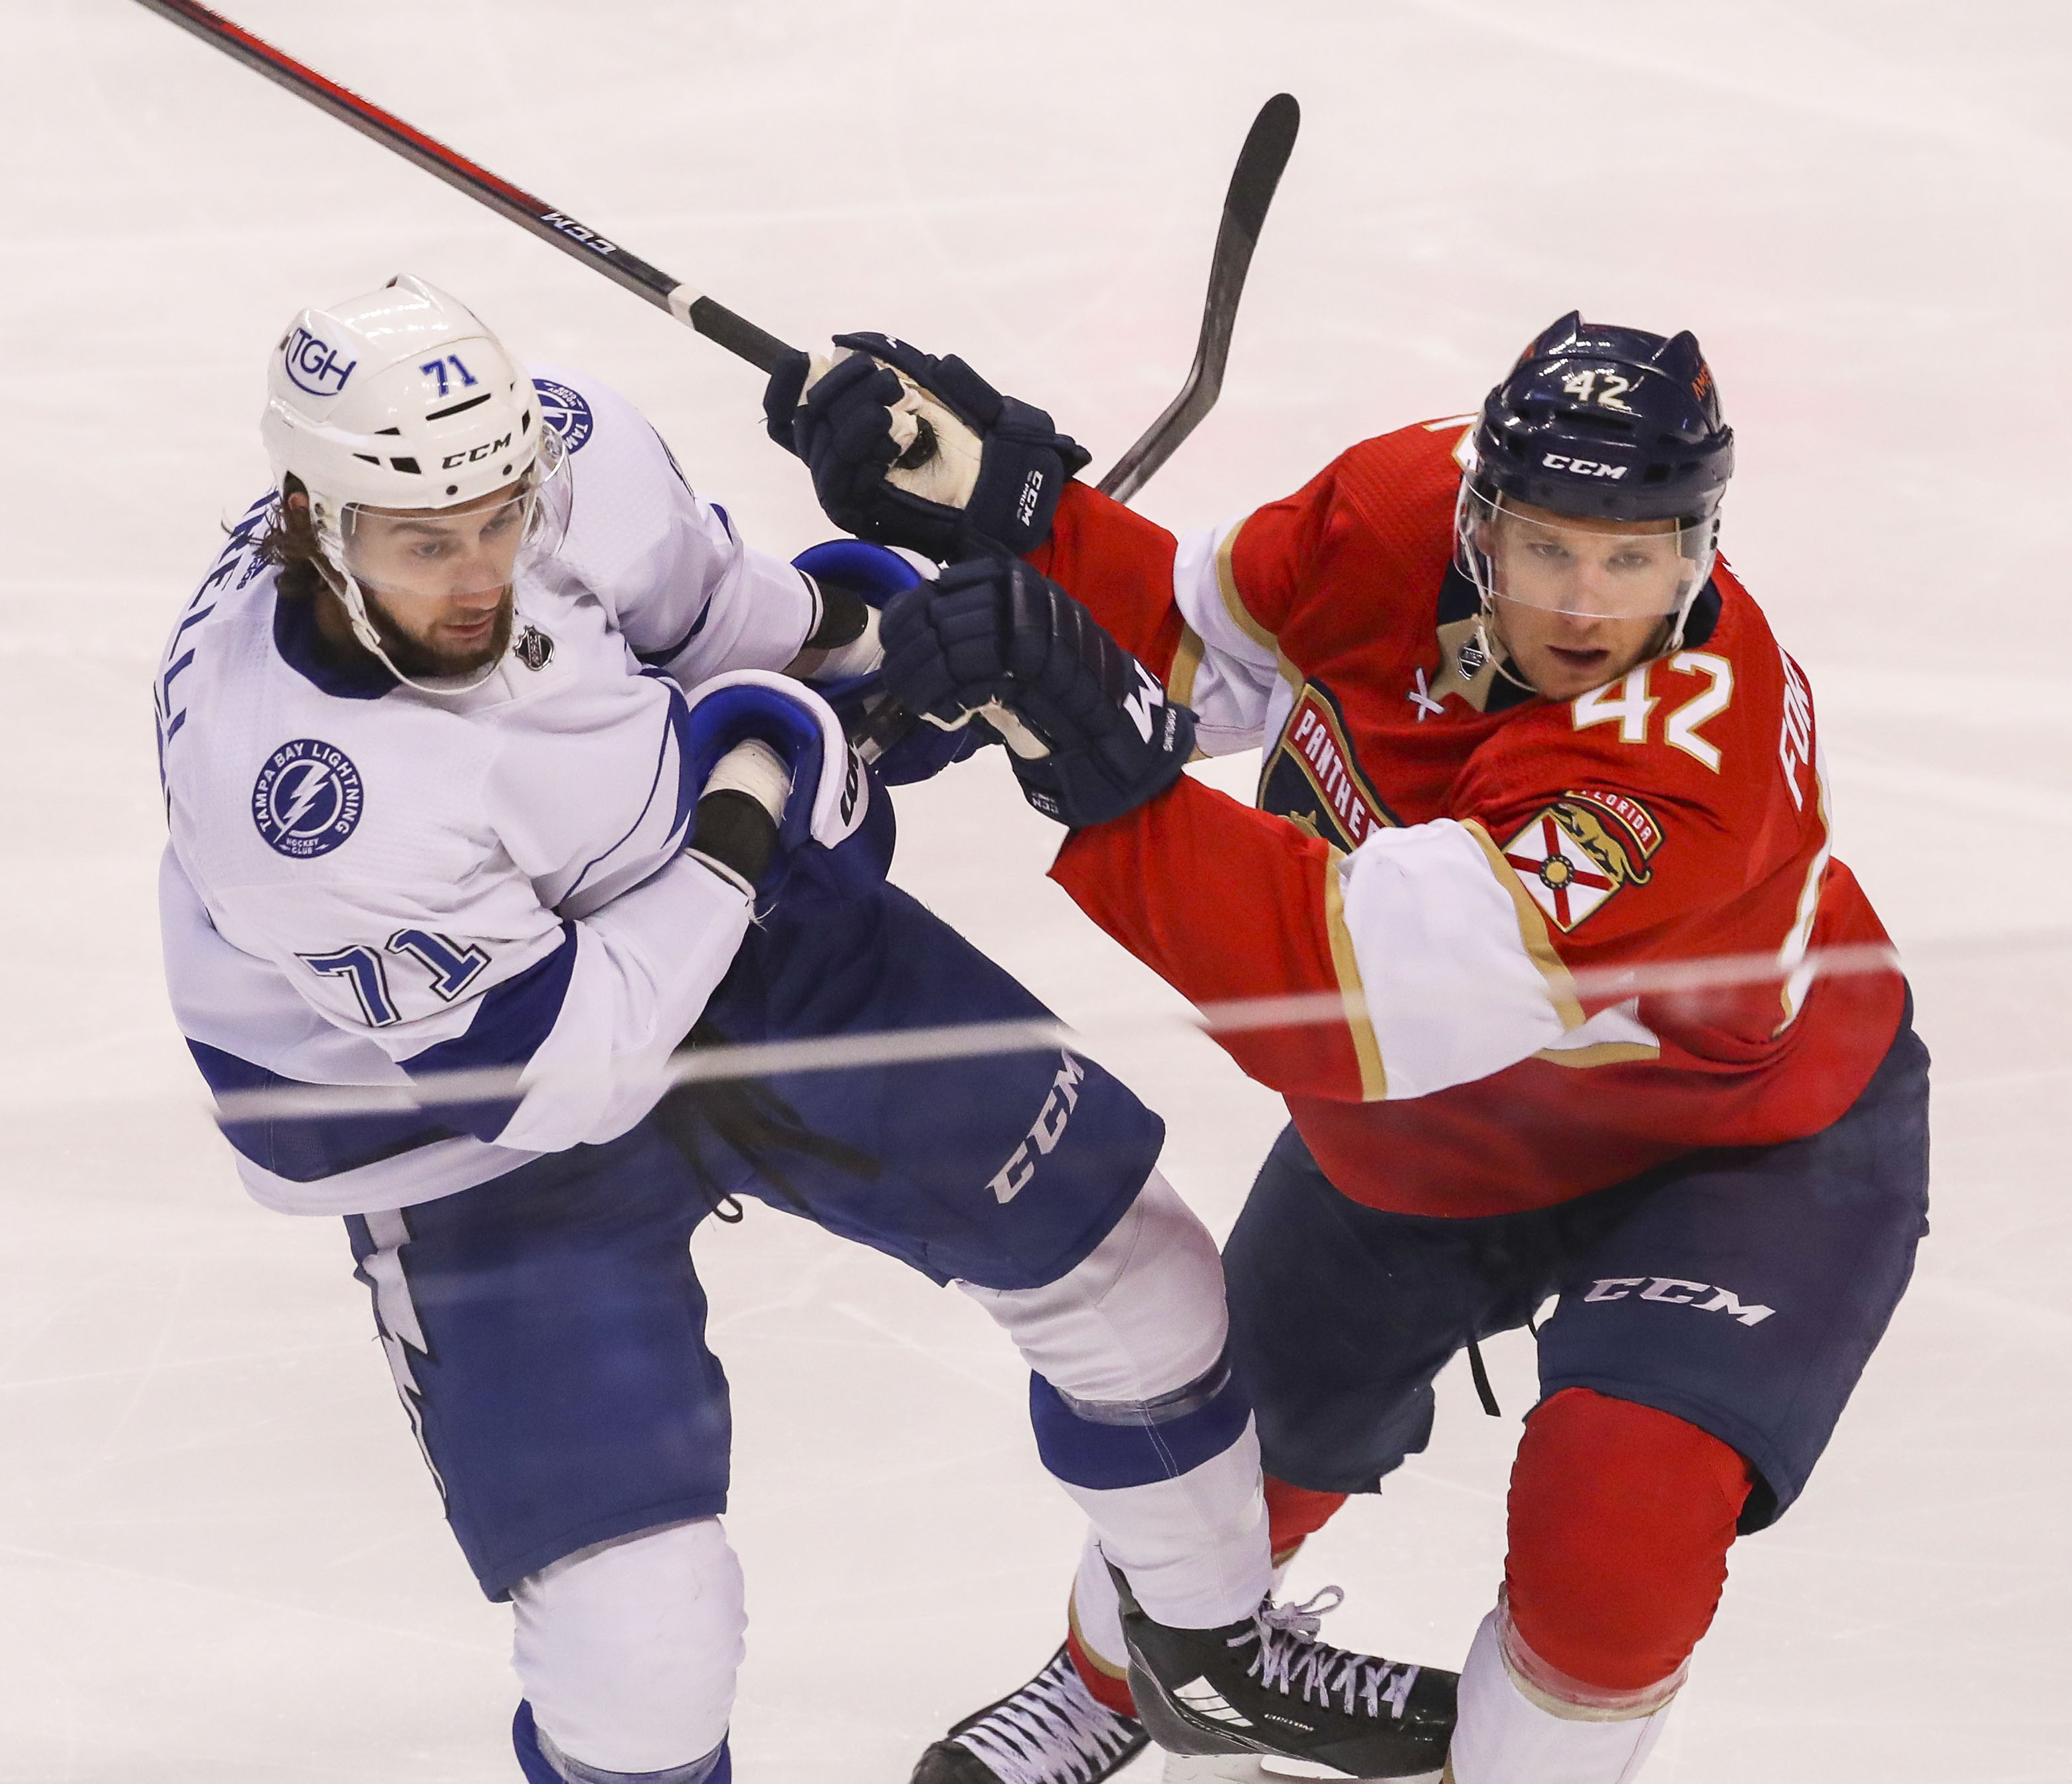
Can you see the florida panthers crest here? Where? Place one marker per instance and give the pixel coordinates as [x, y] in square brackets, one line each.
[1582, 849]
[307, 798]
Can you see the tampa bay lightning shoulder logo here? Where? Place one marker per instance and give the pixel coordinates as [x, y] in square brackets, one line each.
[566, 411]
[307, 798]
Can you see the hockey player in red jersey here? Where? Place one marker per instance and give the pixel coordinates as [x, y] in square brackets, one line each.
[1521, 729]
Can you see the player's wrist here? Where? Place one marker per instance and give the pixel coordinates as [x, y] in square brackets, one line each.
[844, 642]
[740, 808]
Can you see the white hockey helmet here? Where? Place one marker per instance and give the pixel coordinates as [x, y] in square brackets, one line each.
[398, 399]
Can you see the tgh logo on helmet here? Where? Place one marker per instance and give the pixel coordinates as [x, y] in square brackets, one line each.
[313, 365]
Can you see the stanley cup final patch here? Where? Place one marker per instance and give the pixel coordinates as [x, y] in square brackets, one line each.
[1579, 851]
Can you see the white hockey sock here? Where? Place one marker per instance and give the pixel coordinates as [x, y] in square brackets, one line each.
[627, 1652]
[1194, 1548]
[1139, 1322]
[1096, 1612]
[1513, 1732]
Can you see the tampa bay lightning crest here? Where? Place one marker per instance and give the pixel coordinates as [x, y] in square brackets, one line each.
[566, 411]
[307, 798]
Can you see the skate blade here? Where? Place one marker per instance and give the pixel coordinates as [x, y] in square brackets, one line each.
[1245, 1768]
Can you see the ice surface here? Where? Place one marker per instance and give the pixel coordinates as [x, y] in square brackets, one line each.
[219, 1556]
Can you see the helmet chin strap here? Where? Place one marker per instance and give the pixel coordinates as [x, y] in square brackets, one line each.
[1490, 642]
[1489, 637]
[353, 597]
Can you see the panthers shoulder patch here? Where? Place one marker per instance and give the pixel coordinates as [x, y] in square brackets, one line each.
[1574, 855]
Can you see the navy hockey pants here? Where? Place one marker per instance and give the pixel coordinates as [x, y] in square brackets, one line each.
[547, 1328]
[1742, 1290]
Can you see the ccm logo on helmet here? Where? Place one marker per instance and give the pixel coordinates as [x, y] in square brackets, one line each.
[1582, 467]
[312, 364]
[481, 451]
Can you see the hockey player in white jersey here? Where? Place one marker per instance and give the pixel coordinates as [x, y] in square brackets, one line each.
[478, 754]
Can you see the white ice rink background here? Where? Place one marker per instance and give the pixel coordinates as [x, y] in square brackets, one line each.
[220, 1558]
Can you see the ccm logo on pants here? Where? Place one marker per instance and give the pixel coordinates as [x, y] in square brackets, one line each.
[1678, 1292]
[1057, 1110]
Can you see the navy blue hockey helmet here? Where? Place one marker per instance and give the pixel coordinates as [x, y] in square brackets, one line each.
[1610, 422]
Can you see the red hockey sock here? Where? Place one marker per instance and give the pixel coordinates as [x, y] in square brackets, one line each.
[1294, 1514]
[1108, 1688]
[1620, 1520]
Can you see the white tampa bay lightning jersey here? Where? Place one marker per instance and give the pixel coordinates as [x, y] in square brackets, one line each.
[367, 883]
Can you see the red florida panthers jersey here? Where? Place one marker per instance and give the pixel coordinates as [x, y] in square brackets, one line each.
[1453, 850]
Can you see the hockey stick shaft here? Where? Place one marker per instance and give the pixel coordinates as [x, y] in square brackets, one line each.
[1267, 147]
[714, 321]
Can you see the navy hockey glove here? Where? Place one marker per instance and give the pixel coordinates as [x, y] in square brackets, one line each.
[774, 774]
[908, 449]
[861, 578]
[1088, 728]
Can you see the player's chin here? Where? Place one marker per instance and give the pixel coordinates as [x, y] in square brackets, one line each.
[461, 650]
[1565, 671]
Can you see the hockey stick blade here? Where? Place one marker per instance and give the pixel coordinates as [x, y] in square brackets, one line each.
[1267, 148]
[714, 321]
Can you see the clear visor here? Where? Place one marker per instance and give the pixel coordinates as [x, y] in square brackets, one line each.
[1595, 570]
[471, 550]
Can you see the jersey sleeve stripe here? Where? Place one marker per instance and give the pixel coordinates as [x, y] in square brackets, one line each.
[671, 755]
[1233, 597]
[1186, 665]
[1532, 932]
[669, 653]
[1240, 615]
[308, 1149]
[1344, 962]
[511, 1021]
[1600, 1053]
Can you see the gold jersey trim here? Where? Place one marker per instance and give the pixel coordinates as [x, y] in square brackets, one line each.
[1241, 615]
[1344, 962]
[1533, 931]
[1605, 1053]
[1186, 666]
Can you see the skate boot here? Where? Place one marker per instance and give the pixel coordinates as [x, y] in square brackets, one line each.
[1220, 1700]
[1051, 1731]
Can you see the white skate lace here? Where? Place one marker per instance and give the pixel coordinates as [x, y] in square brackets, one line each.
[1049, 1732]
[1291, 1660]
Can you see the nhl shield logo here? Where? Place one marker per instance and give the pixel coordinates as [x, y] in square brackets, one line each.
[307, 798]
[533, 648]
[1574, 855]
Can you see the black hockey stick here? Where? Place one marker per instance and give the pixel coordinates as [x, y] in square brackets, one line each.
[714, 321]
[1267, 148]
[1267, 145]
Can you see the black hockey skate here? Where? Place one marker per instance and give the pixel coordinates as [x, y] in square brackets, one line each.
[1266, 1687]
[1051, 1731]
